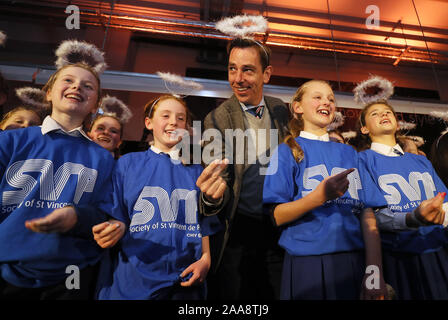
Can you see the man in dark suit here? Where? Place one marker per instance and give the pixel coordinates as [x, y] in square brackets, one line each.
[246, 259]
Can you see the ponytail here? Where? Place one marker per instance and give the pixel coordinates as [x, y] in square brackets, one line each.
[295, 125]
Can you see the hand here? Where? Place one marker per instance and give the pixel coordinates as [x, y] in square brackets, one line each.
[430, 211]
[60, 220]
[210, 181]
[108, 233]
[199, 269]
[334, 186]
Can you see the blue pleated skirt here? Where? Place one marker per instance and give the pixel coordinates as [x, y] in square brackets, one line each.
[336, 276]
[417, 276]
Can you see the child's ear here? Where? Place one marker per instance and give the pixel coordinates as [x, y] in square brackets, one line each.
[364, 130]
[297, 107]
[148, 123]
[48, 95]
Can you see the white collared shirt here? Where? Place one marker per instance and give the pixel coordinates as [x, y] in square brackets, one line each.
[173, 153]
[245, 108]
[387, 150]
[49, 125]
[308, 135]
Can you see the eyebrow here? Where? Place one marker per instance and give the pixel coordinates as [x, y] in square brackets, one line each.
[72, 76]
[231, 64]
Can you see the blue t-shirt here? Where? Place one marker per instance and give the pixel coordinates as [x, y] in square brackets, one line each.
[39, 173]
[158, 201]
[332, 227]
[405, 182]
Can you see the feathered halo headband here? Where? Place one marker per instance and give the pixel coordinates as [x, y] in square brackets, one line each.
[444, 116]
[244, 26]
[3, 38]
[32, 97]
[338, 121]
[176, 85]
[74, 51]
[114, 107]
[373, 89]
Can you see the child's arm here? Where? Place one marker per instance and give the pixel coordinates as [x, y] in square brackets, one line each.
[200, 268]
[376, 290]
[330, 188]
[108, 233]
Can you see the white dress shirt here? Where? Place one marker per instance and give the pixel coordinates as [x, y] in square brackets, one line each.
[173, 153]
[245, 108]
[308, 135]
[49, 125]
[386, 150]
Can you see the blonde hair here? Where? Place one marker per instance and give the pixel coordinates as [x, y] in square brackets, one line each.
[296, 124]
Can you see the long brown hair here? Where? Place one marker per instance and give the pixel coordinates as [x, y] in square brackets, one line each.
[296, 125]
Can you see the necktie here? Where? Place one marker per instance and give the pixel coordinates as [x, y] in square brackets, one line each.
[257, 111]
[396, 151]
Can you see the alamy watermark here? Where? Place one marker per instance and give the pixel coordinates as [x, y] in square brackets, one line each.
[73, 281]
[72, 21]
[373, 20]
[373, 279]
[239, 147]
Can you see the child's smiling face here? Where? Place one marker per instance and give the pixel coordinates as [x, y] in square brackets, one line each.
[167, 124]
[317, 107]
[106, 131]
[379, 120]
[74, 92]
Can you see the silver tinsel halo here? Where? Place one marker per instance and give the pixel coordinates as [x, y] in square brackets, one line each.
[114, 107]
[349, 134]
[373, 89]
[74, 51]
[175, 83]
[419, 141]
[338, 121]
[32, 97]
[403, 125]
[242, 26]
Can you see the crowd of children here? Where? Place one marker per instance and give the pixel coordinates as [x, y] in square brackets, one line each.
[137, 228]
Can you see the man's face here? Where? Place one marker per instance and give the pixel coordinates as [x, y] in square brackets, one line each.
[246, 75]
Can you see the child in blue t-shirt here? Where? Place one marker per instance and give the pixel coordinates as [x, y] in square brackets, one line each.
[44, 171]
[414, 240]
[164, 253]
[315, 193]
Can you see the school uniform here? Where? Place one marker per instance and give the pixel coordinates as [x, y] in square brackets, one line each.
[157, 198]
[324, 248]
[41, 169]
[415, 260]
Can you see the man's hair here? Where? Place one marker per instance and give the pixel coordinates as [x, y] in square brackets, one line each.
[263, 51]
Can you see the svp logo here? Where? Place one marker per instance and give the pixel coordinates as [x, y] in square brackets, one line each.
[26, 175]
[169, 209]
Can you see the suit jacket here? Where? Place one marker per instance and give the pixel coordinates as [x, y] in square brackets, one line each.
[229, 115]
